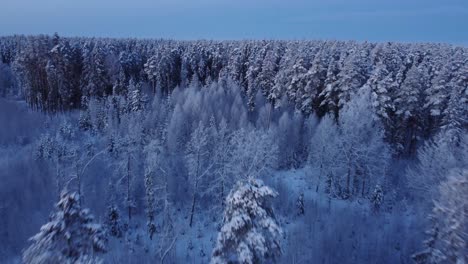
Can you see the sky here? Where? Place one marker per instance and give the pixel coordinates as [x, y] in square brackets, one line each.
[363, 20]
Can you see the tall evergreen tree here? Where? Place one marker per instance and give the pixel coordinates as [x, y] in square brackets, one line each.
[70, 236]
[250, 232]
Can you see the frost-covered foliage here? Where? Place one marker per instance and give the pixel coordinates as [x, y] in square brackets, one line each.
[351, 155]
[153, 134]
[254, 152]
[198, 162]
[71, 236]
[448, 237]
[416, 88]
[436, 158]
[250, 233]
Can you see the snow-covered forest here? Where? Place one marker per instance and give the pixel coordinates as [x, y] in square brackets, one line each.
[144, 151]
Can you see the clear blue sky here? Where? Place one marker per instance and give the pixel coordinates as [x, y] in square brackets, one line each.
[373, 20]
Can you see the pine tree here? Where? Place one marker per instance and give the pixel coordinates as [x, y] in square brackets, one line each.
[269, 70]
[69, 237]
[328, 96]
[298, 81]
[95, 81]
[281, 80]
[250, 233]
[454, 120]
[163, 70]
[253, 72]
[135, 98]
[354, 73]
[409, 103]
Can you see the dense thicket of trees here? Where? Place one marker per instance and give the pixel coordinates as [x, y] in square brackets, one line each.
[148, 130]
[416, 88]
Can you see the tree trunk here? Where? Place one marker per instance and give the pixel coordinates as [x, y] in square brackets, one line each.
[269, 115]
[222, 194]
[58, 179]
[348, 180]
[195, 189]
[363, 186]
[128, 190]
[192, 211]
[222, 188]
[319, 177]
[78, 178]
[321, 168]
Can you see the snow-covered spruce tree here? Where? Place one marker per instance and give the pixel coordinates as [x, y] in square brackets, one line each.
[71, 236]
[448, 241]
[250, 233]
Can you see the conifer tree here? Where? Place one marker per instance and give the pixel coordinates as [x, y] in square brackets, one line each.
[69, 237]
[250, 232]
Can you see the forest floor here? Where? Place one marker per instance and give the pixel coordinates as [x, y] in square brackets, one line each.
[330, 230]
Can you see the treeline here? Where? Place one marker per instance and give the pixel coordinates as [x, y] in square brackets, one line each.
[417, 89]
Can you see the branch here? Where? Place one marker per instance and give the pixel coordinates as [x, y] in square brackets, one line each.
[163, 256]
[91, 160]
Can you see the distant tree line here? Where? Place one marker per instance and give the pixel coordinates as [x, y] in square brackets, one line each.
[416, 89]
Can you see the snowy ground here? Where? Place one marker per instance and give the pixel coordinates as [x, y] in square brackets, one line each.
[331, 231]
[341, 231]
